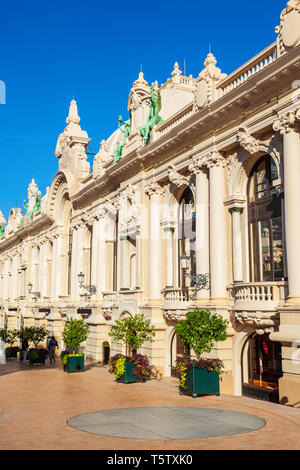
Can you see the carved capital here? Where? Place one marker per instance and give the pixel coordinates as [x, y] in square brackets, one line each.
[216, 159]
[197, 164]
[287, 122]
[152, 188]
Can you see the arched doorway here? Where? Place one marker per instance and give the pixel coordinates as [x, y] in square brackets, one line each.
[178, 351]
[261, 368]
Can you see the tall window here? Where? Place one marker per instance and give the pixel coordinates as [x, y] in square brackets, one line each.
[186, 233]
[265, 222]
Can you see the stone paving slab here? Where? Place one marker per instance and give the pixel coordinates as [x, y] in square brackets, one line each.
[166, 423]
[37, 402]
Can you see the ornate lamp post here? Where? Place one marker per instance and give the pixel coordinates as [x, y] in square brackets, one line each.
[201, 281]
[90, 288]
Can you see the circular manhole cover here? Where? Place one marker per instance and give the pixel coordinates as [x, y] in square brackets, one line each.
[166, 423]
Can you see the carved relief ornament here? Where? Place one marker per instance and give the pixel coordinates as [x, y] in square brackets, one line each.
[197, 164]
[287, 122]
[216, 159]
[153, 187]
[176, 178]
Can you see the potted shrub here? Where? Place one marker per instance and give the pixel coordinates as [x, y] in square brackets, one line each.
[106, 351]
[133, 332]
[36, 335]
[74, 333]
[9, 337]
[199, 331]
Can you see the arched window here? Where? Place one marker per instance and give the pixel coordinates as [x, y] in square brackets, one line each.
[265, 222]
[186, 234]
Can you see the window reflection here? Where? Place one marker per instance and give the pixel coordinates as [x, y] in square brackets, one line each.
[265, 222]
[186, 233]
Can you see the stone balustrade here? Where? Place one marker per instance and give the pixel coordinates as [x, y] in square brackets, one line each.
[258, 295]
[166, 126]
[253, 66]
[178, 294]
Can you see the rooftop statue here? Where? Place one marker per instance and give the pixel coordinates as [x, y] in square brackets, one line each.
[2, 223]
[34, 201]
[153, 116]
[126, 130]
[36, 206]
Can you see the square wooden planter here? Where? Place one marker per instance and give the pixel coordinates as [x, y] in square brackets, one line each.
[128, 376]
[201, 382]
[75, 364]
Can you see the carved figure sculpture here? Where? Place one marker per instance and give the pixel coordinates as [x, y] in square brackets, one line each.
[126, 130]
[30, 210]
[2, 223]
[153, 116]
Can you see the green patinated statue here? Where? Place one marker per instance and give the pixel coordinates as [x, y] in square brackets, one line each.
[153, 118]
[126, 130]
[36, 206]
[2, 231]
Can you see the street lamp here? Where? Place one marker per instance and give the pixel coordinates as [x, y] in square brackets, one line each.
[201, 281]
[35, 295]
[90, 288]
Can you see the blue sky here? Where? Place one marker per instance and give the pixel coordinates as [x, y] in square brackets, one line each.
[52, 51]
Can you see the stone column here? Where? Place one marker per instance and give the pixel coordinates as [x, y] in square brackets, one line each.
[124, 263]
[74, 270]
[43, 271]
[169, 231]
[237, 255]
[289, 329]
[99, 255]
[217, 227]
[58, 266]
[15, 283]
[154, 190]
[138, 259]
[287, 125]
[202, 220]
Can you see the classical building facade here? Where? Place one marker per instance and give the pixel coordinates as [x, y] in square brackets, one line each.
[205, 171]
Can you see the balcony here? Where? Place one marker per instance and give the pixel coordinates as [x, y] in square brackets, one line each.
[256, 304]
[257, 295]
[177, 301]
[110, 299]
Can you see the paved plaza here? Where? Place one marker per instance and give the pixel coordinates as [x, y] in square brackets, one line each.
[42, 407]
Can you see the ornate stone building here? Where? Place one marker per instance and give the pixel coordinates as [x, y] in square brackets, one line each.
[205, 171]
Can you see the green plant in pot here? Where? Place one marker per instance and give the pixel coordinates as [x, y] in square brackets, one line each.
[74, 333]
[9, 337]
[200, 331]
[36, 335]
[133, 332]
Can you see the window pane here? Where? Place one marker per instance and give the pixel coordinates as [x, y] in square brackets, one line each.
[277, 248]
[251, 190]
[261, 180]
[265, 251]
[253, 252]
